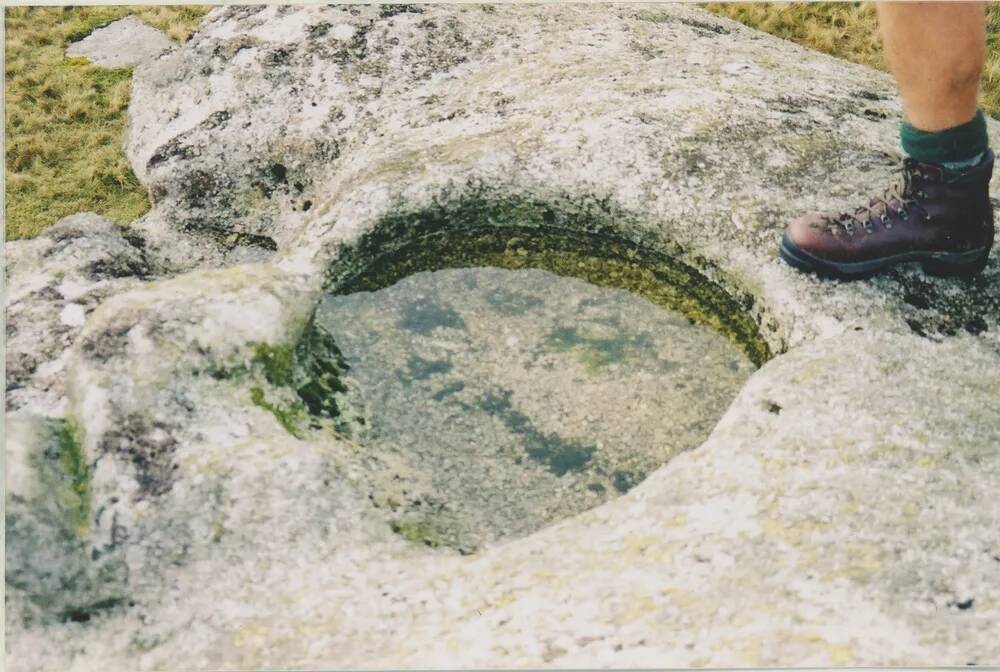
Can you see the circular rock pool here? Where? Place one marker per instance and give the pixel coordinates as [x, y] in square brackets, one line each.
[500, 401]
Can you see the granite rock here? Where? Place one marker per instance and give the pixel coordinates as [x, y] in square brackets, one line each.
[123, 43]
[841, 512]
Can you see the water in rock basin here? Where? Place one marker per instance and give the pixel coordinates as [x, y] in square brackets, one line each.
[507, 400]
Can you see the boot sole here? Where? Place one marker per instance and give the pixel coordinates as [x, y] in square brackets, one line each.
[941, 264]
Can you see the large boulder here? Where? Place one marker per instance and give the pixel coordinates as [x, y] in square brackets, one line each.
[841, 512]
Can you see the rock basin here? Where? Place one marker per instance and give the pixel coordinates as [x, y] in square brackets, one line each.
[513, 399]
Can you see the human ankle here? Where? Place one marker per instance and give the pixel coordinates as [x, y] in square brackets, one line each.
[961, 146]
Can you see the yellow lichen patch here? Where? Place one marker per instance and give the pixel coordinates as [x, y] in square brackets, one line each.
[863, 562]
[684, 599]
[850, 505]
[840, 654]
[504, 600]
[773, 528]
[676, 520]
[753, 615]
[649, 546]
[798, 534]
[298, 595]
[911, 511]
[773, 465]
[637, 605]
[749, 652]
[247, 639]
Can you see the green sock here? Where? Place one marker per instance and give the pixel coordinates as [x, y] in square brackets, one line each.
[951, 145]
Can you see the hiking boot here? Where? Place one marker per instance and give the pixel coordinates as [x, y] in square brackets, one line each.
[939, 217]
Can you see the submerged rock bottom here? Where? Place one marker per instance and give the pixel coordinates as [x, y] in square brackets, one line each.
[502, 401]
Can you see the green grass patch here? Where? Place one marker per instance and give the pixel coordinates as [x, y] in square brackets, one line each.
[65, 119]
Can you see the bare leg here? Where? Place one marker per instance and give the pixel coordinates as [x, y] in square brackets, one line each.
[936, 52]
[939, 212]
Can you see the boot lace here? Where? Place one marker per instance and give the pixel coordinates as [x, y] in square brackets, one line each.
[902, 196]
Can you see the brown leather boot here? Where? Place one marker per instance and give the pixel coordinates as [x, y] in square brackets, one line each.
[941, 218]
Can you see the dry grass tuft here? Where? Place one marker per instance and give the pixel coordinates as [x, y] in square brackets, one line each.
[65, 118]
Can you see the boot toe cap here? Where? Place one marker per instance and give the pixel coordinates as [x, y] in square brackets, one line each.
[805, 231]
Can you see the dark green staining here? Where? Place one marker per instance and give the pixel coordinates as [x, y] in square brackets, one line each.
[311, 376]
[447, 390]
[418, 368]
[596, 350]
[507, 302]
[625, 480]
[587, 240]
[558, 454]
[424, 315]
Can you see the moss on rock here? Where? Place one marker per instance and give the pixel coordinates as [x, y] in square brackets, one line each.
[311, 369]
[65, 472]
[289, 416]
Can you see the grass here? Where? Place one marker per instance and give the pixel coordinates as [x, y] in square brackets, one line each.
[849, 30]
[65, 118]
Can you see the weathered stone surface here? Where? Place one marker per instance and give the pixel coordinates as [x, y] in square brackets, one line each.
[841, 512]
[54, 282]
[123, 43]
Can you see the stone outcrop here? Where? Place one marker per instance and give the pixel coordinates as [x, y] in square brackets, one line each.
[843, 511]
[54, 282]
[123, 43]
